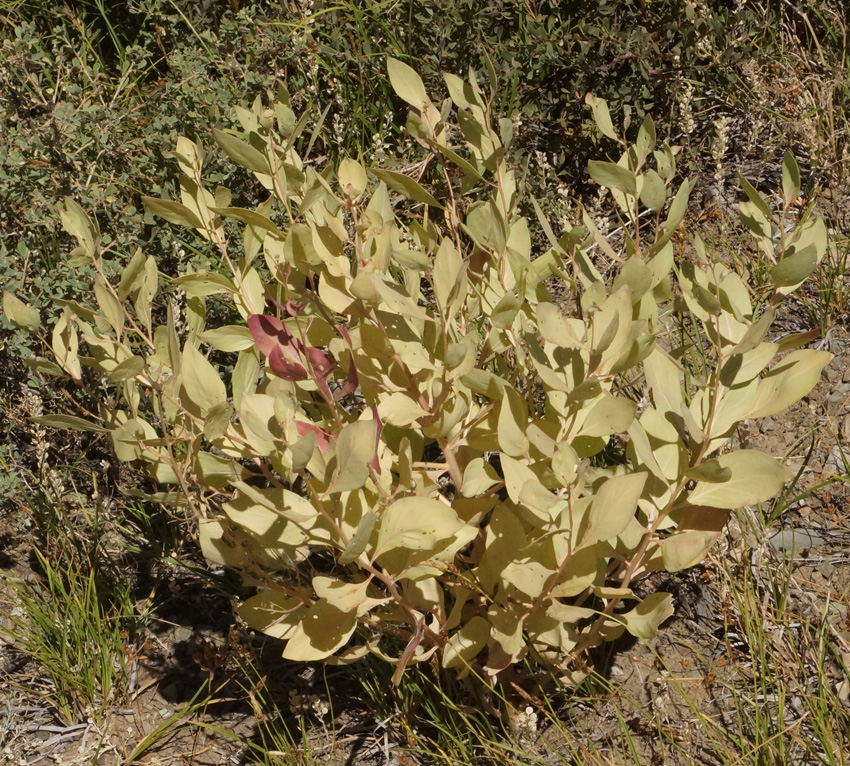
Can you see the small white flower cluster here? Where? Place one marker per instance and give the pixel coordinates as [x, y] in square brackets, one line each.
[525, 723]
[379, 139]
[564, 206]
[542, 163]
[305, 7]
[338, 127]
[705, 47]
[684, 101]
[299, 704]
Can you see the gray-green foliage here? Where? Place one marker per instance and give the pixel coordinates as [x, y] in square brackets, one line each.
[417, 450]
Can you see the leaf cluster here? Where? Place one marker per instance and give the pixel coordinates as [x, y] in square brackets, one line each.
[405, 450]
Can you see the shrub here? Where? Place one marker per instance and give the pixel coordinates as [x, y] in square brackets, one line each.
[416, 439]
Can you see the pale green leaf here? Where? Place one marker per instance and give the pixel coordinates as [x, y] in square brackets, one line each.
[241, 152]
[218, 420]
[685, 549]
[407, 84]
[218, 471]
[505, 311]
[204, 283]
[478, 477]
[406, 186]
[614, 506]
[129, 369]
[755, 197]
[513, 422]
[173, 212]
[77, 223]
[790, 178]
[610, 415]
[644, 620]
[355, 449]
[109, 305]
[466, 643]
[228, 338]
[204, 388]
[273, 613]
[19, 313]
[132, 275]
[322, 630]
[613, 176]
[601, 116]
[398, 409]
[447, 268]
[653, 193]
[216, 546]
[352, 178]
[44, 366]
[357, 544]
[795, 267]
[417, 523]
[755, 478]
[251, 217]
[710, 471]
[788, 381]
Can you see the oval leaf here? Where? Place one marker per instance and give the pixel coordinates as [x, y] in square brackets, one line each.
[407, 84]
[19, 313]
[613, 176]
[241, 152]
[203, 385]
[643, 621]
[405, 186]
[753, 478]
[173, 212]
[322, 631]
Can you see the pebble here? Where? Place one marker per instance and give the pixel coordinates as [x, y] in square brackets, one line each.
[835, 460]
[834, 371]
[837, 398]
[790, 540]
[826, 568]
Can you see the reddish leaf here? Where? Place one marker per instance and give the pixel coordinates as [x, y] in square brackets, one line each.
[285, 368]
[343, 333]
[320, 361]
[351, 380]
[322, 440]
[293, 308]
[266, 331]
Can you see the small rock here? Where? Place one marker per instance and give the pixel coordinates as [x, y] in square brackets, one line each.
[834, 371]
[804, 510]
[767, 424]
[790, 540]
[834, 462]
[826, 568]
[838, 398]
[846, 377]
[181, 633]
